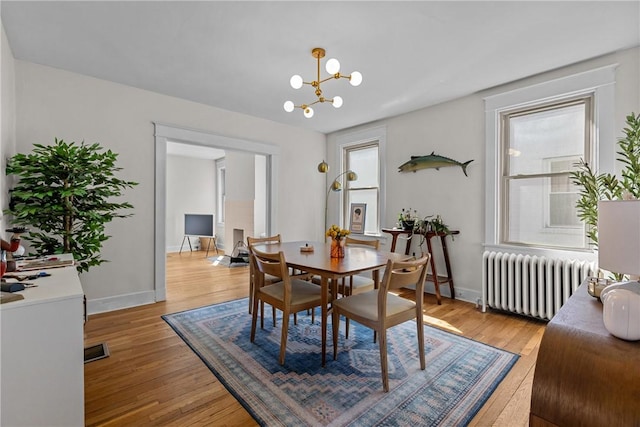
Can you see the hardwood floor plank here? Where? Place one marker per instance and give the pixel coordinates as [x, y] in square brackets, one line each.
[153, 378]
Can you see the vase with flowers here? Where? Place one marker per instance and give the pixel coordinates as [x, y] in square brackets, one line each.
[337, 235]
[407, 218]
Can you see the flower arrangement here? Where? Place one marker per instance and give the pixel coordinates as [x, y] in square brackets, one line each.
[408, 215]
[337, 233]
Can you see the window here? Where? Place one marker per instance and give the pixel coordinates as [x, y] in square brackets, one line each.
[361, 152]
[540, 145]
[221, 189]
[364, 160]
[534, 135]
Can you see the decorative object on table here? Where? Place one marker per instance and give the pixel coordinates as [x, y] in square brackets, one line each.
[333, 68]
[335, 186]
[606, 186]
[596, 285]
[432, 161]
[461, 374]
[7, 249]
[619, 251]
[358, 216]
[65, 190]
[337, 235]
[407, 218]
[306, 248]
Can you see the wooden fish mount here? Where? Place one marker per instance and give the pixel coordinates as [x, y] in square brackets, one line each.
[432, 161]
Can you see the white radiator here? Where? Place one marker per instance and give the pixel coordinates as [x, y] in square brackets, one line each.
[530, 285]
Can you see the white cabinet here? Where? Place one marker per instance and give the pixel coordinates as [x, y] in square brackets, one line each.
[42, 354]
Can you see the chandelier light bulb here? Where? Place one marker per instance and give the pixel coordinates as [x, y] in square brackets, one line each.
[355, 79]
[337, 101]
[308, 112]
[332, 66]
[288, 106]
[296, 82]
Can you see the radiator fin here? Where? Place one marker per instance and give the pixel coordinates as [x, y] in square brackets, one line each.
[530, 285]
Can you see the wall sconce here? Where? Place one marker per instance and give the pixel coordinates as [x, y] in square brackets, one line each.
[335, 186]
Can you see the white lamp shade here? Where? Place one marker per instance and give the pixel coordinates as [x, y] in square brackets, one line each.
[296, 82]
[288, 106]
[337, 101]
[619, 236]
[355, 79]
[308, 112]
[332, 66]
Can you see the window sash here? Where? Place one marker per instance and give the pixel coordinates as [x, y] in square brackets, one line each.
[507, 150]
[352, 190]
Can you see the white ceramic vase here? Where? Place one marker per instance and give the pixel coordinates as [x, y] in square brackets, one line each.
[621, 310]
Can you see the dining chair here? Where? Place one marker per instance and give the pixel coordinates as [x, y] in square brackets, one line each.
[355, 284]
[269, 279]
[290, 295]
[379, 309]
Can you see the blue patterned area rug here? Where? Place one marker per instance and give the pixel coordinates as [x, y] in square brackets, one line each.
[461, 373]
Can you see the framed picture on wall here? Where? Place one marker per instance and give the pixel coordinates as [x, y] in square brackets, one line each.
[358, 215]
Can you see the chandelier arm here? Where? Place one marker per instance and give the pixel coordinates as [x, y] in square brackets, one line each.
[330, 78]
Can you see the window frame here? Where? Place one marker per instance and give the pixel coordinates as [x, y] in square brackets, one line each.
[586, 99]
[601, 83]
[350, 187]
[357, 138]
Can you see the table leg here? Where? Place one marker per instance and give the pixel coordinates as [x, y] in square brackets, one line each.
[443, 239]
[394, 238]
[408, 248]
[434, 273]
[325, 303]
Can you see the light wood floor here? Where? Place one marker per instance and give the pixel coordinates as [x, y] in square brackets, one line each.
[153, 378]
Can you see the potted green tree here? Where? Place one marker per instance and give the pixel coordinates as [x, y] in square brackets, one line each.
[606, 186]
[65, 192]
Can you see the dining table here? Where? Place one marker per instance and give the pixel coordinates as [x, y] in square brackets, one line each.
[315, 258]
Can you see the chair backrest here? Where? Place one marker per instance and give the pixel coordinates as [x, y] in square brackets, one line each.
[375, 243]
[400, 274]
[257, 240]
[273, 264]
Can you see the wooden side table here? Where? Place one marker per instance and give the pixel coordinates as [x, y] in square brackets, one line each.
[433, 277]
[585, 376]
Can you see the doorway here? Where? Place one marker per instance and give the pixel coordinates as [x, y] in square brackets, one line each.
[166, 135]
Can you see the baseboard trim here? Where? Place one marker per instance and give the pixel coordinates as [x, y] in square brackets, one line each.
[103, 305]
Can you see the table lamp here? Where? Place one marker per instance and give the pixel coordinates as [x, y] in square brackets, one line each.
[619, 252]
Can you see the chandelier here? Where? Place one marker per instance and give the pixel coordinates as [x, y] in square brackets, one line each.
[333, 68]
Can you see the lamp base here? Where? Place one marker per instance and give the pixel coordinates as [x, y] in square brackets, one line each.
[621, 310]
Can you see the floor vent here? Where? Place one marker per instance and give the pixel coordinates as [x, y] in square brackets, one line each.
[96, 352]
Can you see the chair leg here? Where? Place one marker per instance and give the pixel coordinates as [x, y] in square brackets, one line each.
[283, 337]
[419, 323]
[261, 314]
[295, 319]
[273, 314]
[254, 319]
[383, 360]
[346, 332]
[313, 315]
[335, 323]
[251, 285]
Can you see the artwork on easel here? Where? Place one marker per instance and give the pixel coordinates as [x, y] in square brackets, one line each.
[358, 215]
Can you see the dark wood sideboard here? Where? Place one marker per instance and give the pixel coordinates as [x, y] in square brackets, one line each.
[585, 376]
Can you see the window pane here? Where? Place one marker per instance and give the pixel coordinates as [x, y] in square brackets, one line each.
[536, 136]
[364, 162]
[532, 214]
[370, 198]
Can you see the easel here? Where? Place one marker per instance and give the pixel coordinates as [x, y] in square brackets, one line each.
[211, 238]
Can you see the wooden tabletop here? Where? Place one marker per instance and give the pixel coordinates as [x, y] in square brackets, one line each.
[356, 259]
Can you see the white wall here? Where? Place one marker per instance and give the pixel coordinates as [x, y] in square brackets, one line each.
[7, 119]
[456, 129]
[54, 103]
[191, 185]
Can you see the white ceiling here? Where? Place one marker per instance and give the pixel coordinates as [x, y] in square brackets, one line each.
[240, 55]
